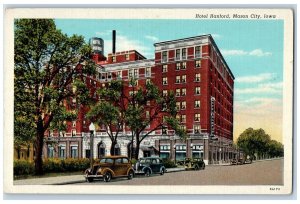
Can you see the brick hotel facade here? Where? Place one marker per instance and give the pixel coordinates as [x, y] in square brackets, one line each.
[194, 69]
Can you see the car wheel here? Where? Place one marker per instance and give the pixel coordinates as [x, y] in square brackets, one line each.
[107, 177]
[147, 172]
[162, 171]
[203, 166]
[130, 175]
[90, 179]
[196, 167]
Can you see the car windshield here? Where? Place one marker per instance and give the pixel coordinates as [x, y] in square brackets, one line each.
[144, 161]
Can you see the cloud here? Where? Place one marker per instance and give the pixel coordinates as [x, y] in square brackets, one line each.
[123, 43]
[233, 52]
[273, 88]
[152, 38]
[256, 78]
[255, 52]
[259, 53]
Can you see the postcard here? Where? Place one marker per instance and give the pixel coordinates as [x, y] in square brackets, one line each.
[148, 101]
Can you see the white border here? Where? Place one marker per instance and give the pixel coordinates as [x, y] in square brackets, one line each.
[137, 13]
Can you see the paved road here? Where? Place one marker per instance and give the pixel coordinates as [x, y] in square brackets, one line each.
[258, 173]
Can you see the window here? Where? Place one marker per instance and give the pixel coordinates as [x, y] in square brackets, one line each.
[183, 91]
[164, 56]
[165, 80]
[119, 74]
[103, 76]
[96, 42]
[197, 117]
[180, 152]
[196, 128]
[183, 65]
[177, 79]
[164, 151]
[130, 74]
[109, 76]
[178, 116]
[73, 133]
[197, 77]
[183, 78]
[74, 151]
[50, 151]
[197, 104]
[178, 66]
[165, 93]
[164, 130]
[182, 127]
[198, 63]
[165, 68]
[197, 52]
[183, 105]
[62, 152]
[148, 81]
[136, 73]
[178, 105]
[114, 59]
[132, 92]
[197, 90]
[147, 114]
[177, 93]
[177, 54]
[183, 118]
[183, 54]
[74, 124]
[148, 71]
[127, 57]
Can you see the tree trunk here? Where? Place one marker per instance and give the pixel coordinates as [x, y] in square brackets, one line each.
[38, 161]
[137, 149]
[112, 148]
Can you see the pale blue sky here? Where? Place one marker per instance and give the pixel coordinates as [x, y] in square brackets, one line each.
[253, 49]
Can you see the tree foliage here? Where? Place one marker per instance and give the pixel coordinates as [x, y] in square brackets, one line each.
[257, 142]
[47, 64]
[109, 110]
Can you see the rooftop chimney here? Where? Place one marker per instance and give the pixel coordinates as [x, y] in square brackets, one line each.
[113, 41]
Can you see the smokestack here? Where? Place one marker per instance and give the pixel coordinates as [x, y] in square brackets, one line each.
[114, 41]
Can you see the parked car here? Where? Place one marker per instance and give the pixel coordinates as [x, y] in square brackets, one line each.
[110, 167]
[192, 163]
[149, 165]
[233, 162]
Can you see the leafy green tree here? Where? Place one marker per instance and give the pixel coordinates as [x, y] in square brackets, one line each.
[48, 66]
[109, 111]
[148, 106]
[258, 142]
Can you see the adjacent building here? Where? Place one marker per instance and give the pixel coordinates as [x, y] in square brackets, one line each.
[195, 70]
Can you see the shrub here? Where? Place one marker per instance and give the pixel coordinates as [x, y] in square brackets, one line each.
[23, 167]
[51, 165]
[168, 163]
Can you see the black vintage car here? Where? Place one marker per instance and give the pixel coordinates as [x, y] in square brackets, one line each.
[149, 165]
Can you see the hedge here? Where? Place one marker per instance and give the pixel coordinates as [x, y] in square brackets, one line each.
[23, 167]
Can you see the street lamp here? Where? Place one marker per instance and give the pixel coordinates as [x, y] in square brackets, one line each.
[92, 130]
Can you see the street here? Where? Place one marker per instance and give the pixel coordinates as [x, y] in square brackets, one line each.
[268, 172]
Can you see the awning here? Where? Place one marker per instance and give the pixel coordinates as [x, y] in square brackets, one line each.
[148, 148]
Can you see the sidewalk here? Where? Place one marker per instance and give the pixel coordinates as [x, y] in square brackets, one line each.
[62, 180]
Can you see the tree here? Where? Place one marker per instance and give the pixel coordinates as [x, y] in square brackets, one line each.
[257, 142]
[47, 66]
[147, 106]
[109, 111]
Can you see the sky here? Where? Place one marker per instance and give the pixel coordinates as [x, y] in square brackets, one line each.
[253, 49]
